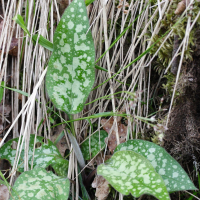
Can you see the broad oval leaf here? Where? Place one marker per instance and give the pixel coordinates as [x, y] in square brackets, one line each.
[130, 172]
[70, 75]
[45, 155]
[174, 176]
[94, 144]
[38, 184]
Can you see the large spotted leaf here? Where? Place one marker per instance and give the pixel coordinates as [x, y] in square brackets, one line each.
[45, 154]
[93, 145]
[38, 184]
[71, 74]
[172, 173]
[130, 172]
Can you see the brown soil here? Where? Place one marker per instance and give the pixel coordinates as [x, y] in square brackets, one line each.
[182, 139]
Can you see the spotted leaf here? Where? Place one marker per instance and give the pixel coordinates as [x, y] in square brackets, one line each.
[61, 167]
[40, 184]
[71, 74]
[130, 172]
[174, 176]
[45, 154]
[93, 144]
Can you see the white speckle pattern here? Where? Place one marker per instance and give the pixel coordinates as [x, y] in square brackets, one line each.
[93, 145]
[57, 65]
[79, 28]
[70, 24]
[45, 155]
[151, 150]
[66, 48]
[128, 172]
[82, 47]
[42, 187]
[83, 37]
[151, 157]
[175, 175]
[170, 170]
[74, 56]
[76, 38]
[161, 171]
[63, 59]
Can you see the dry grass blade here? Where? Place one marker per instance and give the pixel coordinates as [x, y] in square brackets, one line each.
[26, 71]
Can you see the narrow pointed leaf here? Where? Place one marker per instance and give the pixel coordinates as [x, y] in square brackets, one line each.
[85, 195]
[43, 42]
[174, 176]
[60, 136]
[16, 90]
[71, 73]
[1, 91]
[40, 184]
[88, 2]
[19, 20]
[101, 68]
[77, 150]
[130, 172]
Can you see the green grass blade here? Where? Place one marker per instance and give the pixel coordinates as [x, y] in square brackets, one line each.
[101, 68]
[16, 90]
[1, 91]
[123, 32]
[19, 20]
[103, 114]
[59, 137]
[85, 194]
[88, 2]
[43, 42]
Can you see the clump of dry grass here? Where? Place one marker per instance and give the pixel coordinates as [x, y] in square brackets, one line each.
[27, 70]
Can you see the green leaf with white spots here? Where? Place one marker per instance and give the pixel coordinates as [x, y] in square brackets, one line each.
[45, 154]
[93, 144]
[174, 176]
[70, 75]
[130, 172]
[38, 184]
[61, 167]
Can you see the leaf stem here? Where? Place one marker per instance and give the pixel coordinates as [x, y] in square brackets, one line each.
[71, 118]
